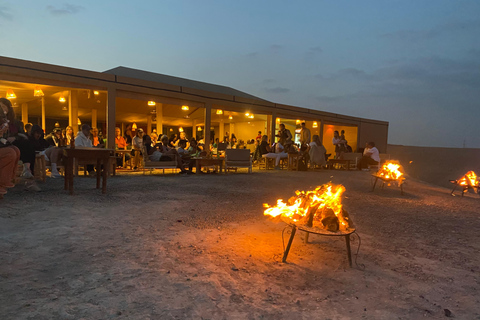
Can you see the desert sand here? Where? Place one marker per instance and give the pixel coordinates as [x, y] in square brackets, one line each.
[199, 247]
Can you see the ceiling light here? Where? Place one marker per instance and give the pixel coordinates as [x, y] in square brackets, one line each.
[278, 120]
[180, 129]
[315, 124]
[251, 116]
[247, 114]
[199, 129]
[185, 108]
[134, 126]
[95, 92]
[151, 103]
[62, 99]
[79, 122]
[11, 94]
[65, 108]
[38, 92]
[298, 122]
[230, 117]
[57, 124]
[219, 111]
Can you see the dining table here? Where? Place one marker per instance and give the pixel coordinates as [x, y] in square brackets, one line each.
[97, 156]
[209, 161]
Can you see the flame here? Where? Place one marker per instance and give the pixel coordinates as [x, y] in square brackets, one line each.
[470, 179]
[390, 170]
[300, 208]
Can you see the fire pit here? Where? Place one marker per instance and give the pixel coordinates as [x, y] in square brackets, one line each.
[390, 172]
[467, 182]
[319, 211]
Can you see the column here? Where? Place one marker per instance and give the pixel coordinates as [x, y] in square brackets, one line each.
[194, 129]
[73, 110]
[94, 118]
[320, 131]
[111, 114]
[272, 127]
[43, 115]
[221, 130]
[159, 108]
[268, 128]
[25, 113]
[149, 124]
[208, 124]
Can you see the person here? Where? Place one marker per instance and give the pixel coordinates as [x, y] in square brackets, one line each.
[305, 135]
[69, 135]
[9, 157]
[97, 140]
[153, 153]
[15, 135]
[233, 141]
[259, 136]
[173, 139]
[257, 155]
[52, 154]
[346, 146]
[277, 155]
[240, 144]
[166, 150]
[182, 137]
[285, 136]
[120, 144]
[339, 144]
[185, 155]
[82, 140]
[55, 138]
[137, 144]
[317, 152]
[154, 138]
[371, 156]
[28, 128]
[129, 134]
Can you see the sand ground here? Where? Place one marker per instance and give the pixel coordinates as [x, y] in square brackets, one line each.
[199, 247]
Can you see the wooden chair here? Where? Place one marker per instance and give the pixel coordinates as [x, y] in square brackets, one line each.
[238, 158]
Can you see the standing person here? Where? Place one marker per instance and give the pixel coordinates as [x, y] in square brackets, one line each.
[285, 136]
[9, 157]
[120, 144]
[305, 135]
[371, 156]
[137, 144]
[339, 144]
[259, 136]
[129, 134]
[317, 152]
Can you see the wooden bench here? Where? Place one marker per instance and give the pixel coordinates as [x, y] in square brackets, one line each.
[147, 164]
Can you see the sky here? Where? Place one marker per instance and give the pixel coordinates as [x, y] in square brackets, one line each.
[415, 64]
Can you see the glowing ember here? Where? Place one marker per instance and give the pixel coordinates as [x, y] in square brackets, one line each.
[469, 179]
[321, 208]
[390, 170]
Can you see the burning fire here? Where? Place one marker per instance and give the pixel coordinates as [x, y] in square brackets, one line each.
[469, 179]
[321, 208]
[390, 171]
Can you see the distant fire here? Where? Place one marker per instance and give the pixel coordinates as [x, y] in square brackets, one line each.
[391, 171]
[321, 208]
[469, 179]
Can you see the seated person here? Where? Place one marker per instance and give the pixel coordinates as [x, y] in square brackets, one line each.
[55, 138]
[371, 156]
[171, 153]
[82, 140]
[97, 139]
[277, 155]
[53, 155]
[153, 152]
[185, 155]
[137, 144]
[317, 152]
[9, 157]
[120, 144]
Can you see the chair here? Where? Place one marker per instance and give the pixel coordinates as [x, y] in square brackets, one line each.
[238, 158]
[354, 158]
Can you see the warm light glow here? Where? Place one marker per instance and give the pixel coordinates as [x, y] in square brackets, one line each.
[95, 92]
[185, 108]
[247, 114]
[251, 116]
[57, 124]
[180, 129]
[65, 108]
[79, 122]
[298, 121]
[219, 111]
[391, 170]
[134, 126]
[315, 124]
[38, 92]
[151, 103]
[321, 208]
[470, 179]
[11, 94]
[278, 120]
[199, 129]
[230, 117]
[62, 99]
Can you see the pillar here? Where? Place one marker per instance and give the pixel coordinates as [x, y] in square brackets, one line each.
[272, 127]
[221, 130]
[43, 115]
[73, 110]
[149, 124]
[159, 108]
[208, 124]
[24, 113]
[320, 131]
[94, 118]
[111, 113]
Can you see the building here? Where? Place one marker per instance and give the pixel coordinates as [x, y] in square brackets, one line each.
[51, 95]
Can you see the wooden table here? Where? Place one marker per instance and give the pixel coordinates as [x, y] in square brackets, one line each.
[199, 162]
[97, 156]
[293, 159]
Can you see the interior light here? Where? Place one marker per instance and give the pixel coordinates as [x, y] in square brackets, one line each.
[247, 114]
[134, 126]
[65, 108]
[219, 111]
[298, 122]
[199, 129]
[278, 120]
[79, 122]
[62, 99]
[95, 92]
[38, 92]
[151, 103]
[185, 108]
[180, 129]
[57, 124]
[251, 116]
[11, 94]
[230, 117]
[315, 124]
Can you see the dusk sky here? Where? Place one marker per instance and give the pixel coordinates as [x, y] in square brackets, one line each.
[415, 64]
